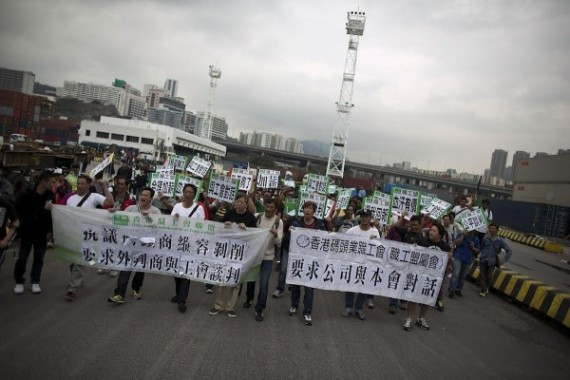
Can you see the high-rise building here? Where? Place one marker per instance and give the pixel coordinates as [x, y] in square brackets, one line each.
[541, 154]
[153, 97]
[171, 87]
[219, 126]
[271, 141]
[164, 116]
[519, 156]
[88, 92]
[16, 80]
[498, 163]
[508, 173]
[131, 103]
[173, 104]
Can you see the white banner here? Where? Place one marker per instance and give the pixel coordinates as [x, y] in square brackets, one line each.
[198, 166]
[381, 198]
[163, 183]
[268, 179]
[99, 168]
[223, 188]
[437, 208]
[164, 169]
[349, 263]
[176, 162]
[194, 249]
[244, 177]
[472, 220]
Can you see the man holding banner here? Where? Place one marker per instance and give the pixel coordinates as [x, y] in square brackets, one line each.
[364, 229]
[307, 221]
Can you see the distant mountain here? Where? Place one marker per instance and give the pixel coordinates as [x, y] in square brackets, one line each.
[316, 148]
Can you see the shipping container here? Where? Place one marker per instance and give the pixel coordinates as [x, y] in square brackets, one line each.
[532, 218]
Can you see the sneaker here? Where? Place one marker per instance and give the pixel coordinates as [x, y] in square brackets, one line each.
[231, 314]
[209, 291]
[439, 305]
[70, 296]
[137, 294]
[403, 305]
[483, 294]
[347, 312]
[459, 293]
[292, 310]
[117, 298]
[370, 304]
[19, 289]
[451, 294]
[392, 309]
[407, 324]
[174, 299]
[421, 322]
[278, 293]
[50, 245]
[259, 316]
[360, 315]
[214, 311]
[308, 319]
[113, 273]
[35, 288]
[100, 271]
[247, 304]
[182, 307]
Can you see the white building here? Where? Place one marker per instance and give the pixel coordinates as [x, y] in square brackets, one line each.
[131, 105]
[148, 87]
[16, 80]
[219, 126]
[171, 87]
[164, 116]
[271, 141]
[144, 137]
[88, 92]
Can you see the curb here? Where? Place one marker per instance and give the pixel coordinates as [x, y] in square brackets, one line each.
[532, 240]
[543, 298]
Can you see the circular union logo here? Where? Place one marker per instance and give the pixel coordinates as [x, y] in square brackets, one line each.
[303, 241]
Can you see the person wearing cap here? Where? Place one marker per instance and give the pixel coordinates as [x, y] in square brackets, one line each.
[365, 230]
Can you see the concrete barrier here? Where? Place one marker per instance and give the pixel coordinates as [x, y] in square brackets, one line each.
[531, 240]
[536, 295]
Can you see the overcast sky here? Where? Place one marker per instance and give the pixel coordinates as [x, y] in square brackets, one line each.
[438, 83]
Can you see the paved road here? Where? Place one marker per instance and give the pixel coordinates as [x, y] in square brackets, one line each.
[43, 337]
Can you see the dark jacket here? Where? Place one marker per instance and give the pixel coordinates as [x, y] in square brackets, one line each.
[35, 220]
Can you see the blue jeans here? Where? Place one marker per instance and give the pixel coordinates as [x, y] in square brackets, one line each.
[283, 270]
[307, 299]
[460, 271]
[264, 274]
[349, 301]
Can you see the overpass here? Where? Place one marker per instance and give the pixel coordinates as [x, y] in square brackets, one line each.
[378, 173]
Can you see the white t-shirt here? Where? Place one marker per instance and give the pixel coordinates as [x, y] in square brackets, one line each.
[183, 212]
[93, 201]
[457, 209]
[371, 233]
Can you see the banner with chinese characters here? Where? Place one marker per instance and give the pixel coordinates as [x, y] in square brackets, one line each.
[99, 168]
[405, 200]
[163, 169]
[350, 263]
[244, 177]
[320, 201]
[437, 208]
[290, 206]
[343, 198]
[176, 162]
[379, 209]
[268, 179]
[317, 183]
[163, 183]
[426, 199]
[223, 188]
[182, 180]
[472, 220]
[195, 249]
[198, 166]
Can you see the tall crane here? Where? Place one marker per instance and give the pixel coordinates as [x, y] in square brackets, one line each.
[208, 120]
[337, 155]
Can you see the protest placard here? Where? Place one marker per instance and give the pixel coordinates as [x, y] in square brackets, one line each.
[244, 177]
[99, 168]
[199, 167]
[182, 180]
[223, 188]
[405, 200]
[268, 179]
[176, 162]
[437, 208]
[379, 209]
[163, 183]
[317, 183]
[319, 199]
[343, 198]
[472, 220]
